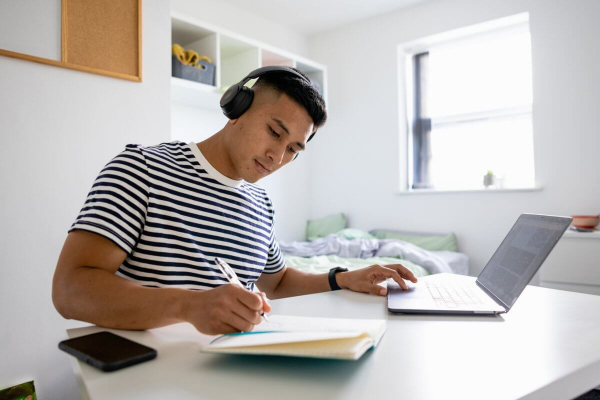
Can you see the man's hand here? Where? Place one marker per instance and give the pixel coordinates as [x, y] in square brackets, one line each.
[226, 309]
[366, 280]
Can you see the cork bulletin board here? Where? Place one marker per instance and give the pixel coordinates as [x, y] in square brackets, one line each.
[101, 37]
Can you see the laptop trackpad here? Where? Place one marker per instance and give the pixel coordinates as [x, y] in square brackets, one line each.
[416, 297]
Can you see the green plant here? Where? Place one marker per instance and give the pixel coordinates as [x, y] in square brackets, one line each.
[24, 391]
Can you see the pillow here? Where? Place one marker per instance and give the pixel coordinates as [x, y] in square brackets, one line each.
[352, 234]
[325, 226]
[427, 241]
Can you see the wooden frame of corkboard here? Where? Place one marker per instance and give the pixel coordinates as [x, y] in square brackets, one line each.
[98, 38]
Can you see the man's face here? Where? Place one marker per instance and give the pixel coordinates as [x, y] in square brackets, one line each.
[269, 135]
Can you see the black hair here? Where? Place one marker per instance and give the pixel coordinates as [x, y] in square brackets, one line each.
[299, 90]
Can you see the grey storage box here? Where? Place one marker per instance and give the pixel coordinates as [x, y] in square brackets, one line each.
[192, 73]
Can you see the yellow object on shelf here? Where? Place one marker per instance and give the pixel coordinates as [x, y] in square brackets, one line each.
[202, 58]
[188, 64]
[178, 52]
[188, 57]
[192, 57]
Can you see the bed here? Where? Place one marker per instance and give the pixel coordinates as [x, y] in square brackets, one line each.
[423, 253]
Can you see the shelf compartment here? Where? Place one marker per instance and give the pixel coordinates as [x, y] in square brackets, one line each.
[316, 75]
[269, 58]
[193, 37]
[237, 60]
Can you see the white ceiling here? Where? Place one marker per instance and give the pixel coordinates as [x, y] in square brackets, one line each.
[308, 17]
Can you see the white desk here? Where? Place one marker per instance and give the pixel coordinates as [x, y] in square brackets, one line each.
[546, 347]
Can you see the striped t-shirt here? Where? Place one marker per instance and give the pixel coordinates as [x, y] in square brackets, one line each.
[173, 213]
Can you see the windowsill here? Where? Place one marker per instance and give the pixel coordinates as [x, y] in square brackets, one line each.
[445, 191]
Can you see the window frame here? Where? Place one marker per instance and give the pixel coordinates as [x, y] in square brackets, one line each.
[413, 125]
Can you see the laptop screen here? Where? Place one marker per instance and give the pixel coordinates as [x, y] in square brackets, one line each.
[521, 254]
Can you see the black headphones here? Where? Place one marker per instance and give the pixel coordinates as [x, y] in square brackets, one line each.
[238, 98]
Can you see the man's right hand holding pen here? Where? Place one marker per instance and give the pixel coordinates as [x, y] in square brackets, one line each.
[226, 309]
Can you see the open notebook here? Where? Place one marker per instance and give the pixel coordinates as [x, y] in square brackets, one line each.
[283, 335]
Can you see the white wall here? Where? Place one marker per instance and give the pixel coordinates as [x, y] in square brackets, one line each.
[59, 127]
[289, 187]
[355, 167]
[18, 19]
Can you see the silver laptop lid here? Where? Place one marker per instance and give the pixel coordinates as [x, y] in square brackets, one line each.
[520, 255]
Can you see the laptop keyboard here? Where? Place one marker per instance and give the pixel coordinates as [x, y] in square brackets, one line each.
[452, 295]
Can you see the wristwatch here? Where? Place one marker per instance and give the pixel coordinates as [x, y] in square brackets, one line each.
[332, 282]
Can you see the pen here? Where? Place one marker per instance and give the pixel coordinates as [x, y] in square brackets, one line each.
[232, 277]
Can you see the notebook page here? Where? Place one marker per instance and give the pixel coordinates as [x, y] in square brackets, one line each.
[286, 329]
[373, 327]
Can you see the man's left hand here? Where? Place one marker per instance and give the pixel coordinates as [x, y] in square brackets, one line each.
[366, 280]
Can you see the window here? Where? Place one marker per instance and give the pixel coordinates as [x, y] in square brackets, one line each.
[471, 112]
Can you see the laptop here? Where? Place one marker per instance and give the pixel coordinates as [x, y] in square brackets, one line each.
[498, 286]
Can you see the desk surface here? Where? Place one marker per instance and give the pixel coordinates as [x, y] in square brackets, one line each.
[546, 347]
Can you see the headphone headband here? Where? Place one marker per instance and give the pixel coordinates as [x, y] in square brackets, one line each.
[273, 68]
[237, 99]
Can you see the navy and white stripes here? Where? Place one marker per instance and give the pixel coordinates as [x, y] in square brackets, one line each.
[173, 213]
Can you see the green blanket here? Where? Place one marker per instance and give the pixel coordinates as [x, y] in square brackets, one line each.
[322, 264]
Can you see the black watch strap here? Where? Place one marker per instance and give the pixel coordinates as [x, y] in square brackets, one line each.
[332, 282]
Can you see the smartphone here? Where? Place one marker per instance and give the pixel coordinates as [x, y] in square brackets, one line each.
[107, 351]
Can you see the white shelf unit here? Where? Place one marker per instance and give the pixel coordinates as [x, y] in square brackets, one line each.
[235, 56]
[574, 264]
[582, 235]
[195, 94]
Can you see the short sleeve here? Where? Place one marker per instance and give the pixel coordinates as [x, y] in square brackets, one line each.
[116, 205]
[275, 260]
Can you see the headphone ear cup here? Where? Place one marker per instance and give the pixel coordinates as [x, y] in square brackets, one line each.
[228, 96]
[239, 104]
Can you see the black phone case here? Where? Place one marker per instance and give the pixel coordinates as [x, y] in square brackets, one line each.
[104, 366]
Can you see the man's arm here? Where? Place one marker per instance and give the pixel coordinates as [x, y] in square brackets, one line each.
[292, 282]
[86, 288]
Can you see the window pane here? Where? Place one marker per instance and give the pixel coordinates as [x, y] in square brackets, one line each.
[480, 75]
[463, 153]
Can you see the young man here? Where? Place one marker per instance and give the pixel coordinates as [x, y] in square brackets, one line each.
[156, 218]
